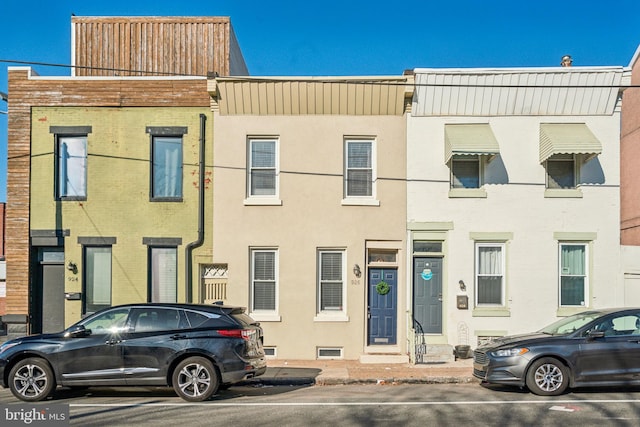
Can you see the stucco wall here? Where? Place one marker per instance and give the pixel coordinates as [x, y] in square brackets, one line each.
[311, 216]
[515, 203]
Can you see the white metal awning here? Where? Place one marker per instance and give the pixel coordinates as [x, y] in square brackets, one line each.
[469, 139]
[567, 138]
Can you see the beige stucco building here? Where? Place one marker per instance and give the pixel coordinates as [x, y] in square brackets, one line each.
[310, 211]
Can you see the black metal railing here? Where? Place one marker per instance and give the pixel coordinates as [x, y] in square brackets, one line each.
[420, 342]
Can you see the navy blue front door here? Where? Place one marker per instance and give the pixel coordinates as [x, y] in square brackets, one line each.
[383, 313]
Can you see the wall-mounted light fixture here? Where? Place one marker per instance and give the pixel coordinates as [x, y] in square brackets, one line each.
[463, 287]
[72, 267]
[356, 270]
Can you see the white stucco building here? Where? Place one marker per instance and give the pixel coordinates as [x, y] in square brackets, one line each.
[513, 199]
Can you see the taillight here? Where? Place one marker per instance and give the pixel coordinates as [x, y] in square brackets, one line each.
[245, 334]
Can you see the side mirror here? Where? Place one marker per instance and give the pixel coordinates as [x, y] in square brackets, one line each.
[595, 334]
[77, 331]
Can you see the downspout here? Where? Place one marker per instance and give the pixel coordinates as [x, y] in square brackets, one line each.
[197, 243]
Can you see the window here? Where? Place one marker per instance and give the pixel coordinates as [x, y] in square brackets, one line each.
[110, 322]
[263, 173]
[71, 169]
[166, 173]
[561, 171]
[264, 280]
[331, 281]
[489, 274]
[619, 325]
[465, 171]
[359, 173]
[157, 319]
[97, 279]
[163, 274]
[574, 279]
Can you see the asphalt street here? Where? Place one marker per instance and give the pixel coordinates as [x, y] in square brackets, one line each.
[349, 405]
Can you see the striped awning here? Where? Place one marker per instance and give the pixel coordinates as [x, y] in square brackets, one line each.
[469, 139]
[567, 138]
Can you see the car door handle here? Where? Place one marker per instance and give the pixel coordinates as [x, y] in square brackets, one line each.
[178, 337]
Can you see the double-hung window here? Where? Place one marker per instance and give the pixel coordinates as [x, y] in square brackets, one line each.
[466, 171]
[359, 175]
[562, 171]
[262, 179]
[166, 162]
[71, 170]
[574, 278]
[264, 280]
[163, 280]
[490, 280]
[331, 281]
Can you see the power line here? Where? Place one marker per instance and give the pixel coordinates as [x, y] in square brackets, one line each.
[364, 81]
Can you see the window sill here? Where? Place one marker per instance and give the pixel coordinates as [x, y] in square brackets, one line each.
[569, 311]
[570, 193]
[331, 318]
[262, 202]
[165, 199]
[471, 193]
[265, 317]
[360, 202]
[491, 312]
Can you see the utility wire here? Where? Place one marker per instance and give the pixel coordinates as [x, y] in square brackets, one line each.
[333, 80]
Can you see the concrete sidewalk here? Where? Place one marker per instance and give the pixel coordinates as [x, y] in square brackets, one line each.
[334, 372]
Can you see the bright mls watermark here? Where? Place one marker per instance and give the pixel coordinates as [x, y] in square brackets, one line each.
[34, 415]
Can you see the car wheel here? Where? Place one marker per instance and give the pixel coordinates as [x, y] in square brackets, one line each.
[548, 377]
[195, 379]
[32, 380]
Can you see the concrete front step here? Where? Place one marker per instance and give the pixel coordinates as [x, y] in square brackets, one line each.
[434, 353]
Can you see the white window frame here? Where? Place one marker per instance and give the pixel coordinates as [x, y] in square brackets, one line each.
[337, 314]
[172, 173]
[98, 284]
[71, 171]
[561, 274]
[360, 199]
[263, 314]
[163, 275]
[268, 199]
[477, 275]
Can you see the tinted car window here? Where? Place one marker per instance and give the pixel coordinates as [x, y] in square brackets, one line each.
[196, 319]
[109, 322]
[155, 319]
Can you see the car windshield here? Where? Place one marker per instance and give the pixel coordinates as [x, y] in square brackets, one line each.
[570, 324]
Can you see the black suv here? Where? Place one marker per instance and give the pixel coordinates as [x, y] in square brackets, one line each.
[193, 348]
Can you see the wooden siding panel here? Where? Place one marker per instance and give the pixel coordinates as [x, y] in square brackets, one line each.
[129, 46]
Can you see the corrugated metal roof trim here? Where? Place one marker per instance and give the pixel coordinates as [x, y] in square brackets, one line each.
[514, 92]
[311, 96]
[469, 139]
[567, 138]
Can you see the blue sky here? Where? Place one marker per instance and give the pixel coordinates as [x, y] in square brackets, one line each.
[350, 37]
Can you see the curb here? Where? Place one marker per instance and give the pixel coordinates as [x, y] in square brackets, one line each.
[327, 381]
